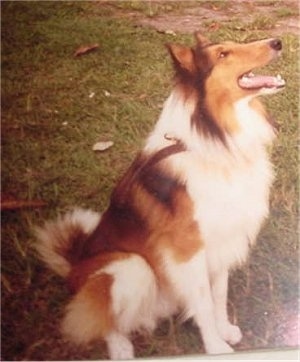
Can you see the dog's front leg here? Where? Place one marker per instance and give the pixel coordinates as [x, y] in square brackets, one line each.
[190, 284]
[219, 286]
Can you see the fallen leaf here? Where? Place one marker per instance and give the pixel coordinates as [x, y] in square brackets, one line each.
[84, 49]
[102, 146]
[6, 283]
[214, 26]
[10, 203]
[170, 32]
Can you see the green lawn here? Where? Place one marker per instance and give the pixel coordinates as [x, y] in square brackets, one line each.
[50, 121]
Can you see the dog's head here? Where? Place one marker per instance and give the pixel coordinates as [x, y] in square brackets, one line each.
[227, 66]
[217, 77]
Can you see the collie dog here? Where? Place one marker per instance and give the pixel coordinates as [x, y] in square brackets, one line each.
[185, 212]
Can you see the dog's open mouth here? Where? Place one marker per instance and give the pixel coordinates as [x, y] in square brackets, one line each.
[251, 81]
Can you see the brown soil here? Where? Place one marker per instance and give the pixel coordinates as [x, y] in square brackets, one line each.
[192, 18]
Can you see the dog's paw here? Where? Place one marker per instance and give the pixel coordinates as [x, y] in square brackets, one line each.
[218, 347]
[230, 333]
[119, 347]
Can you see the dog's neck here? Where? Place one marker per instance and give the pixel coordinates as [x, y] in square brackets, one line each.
[175, 123]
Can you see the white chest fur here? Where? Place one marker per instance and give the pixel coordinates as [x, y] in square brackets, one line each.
[229, 206]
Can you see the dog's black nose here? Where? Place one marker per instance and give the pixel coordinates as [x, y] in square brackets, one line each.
[276, 44]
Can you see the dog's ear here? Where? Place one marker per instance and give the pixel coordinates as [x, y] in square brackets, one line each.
[201, 39]
[183, 57]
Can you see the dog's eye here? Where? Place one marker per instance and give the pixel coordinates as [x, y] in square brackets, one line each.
[223, 54]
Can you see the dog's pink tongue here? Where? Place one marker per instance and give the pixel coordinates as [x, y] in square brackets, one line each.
[261, 81]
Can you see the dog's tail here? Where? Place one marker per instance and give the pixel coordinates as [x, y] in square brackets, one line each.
[60, 241]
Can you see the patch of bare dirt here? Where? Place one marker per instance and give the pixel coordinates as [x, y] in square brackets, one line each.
[197, 17]
[290, 25]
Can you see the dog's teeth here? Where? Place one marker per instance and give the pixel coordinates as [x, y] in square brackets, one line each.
[278, 76]
[246, 77]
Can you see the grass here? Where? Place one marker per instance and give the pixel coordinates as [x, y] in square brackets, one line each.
[262, 22]
[217, 5]
[284, 12]
[49, 125]
[151, 8]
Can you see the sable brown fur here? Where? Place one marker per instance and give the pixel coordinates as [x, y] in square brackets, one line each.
[149, 208]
